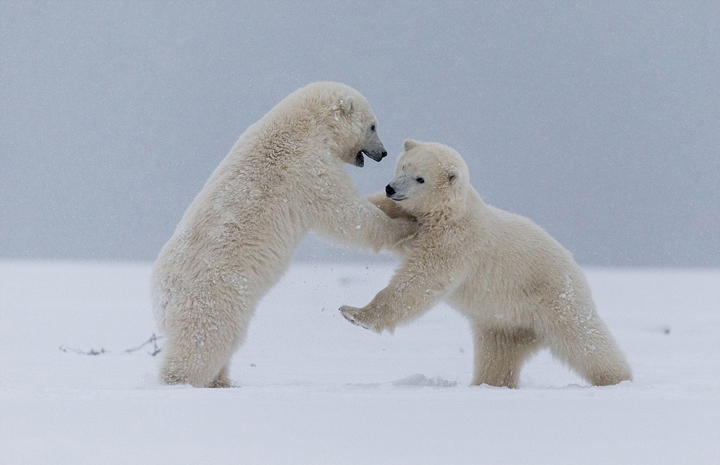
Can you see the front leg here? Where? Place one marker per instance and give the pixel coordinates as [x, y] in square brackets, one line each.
[414, 289]
[355, 221]
[388, 206]
[390, 307]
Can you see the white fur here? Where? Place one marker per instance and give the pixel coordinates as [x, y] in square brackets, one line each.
[283, 177]
[519, 288]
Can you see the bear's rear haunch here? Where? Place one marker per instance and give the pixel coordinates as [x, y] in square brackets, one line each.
[282, 177]
[518, 287]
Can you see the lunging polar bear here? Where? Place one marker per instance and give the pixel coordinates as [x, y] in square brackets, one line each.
[283, 177]
[519, 288]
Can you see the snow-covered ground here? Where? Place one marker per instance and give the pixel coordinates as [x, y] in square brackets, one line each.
[316, 389]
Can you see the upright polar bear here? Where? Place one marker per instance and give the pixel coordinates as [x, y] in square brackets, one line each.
[519, 288]
[283, 177]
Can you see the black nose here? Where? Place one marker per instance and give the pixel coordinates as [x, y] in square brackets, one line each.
[389, 191]
[384, 154]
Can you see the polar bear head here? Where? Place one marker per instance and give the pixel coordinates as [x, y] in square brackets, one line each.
[348, 116]
[429, 178]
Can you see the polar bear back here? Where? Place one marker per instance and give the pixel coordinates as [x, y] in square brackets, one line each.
[515, 266]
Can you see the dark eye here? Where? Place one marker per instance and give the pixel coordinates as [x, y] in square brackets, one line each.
[420, 180]
[372, 128]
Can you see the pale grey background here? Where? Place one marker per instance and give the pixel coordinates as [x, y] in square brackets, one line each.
[598, 120]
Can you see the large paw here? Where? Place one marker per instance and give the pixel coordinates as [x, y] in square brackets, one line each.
[359, 317]
[352, 314]
[223, 382]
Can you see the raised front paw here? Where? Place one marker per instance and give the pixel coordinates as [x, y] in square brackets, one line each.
[359, 317]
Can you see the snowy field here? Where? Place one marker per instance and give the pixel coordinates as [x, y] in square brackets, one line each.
[317, 390]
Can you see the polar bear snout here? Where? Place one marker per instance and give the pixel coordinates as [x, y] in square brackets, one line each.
[391, 192]
[372, 146]
[397, 189]
[376, 155]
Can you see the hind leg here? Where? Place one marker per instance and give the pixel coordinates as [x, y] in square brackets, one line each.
[198, 364]
[500, 354]
[587, 346]
[199, 349]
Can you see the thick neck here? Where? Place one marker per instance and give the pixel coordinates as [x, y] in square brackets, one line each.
[450, 211]
[473, 204]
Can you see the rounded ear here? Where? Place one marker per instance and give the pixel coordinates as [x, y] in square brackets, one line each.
[345, 106]
[410, 144]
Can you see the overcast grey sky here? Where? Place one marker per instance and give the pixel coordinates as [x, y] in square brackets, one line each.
[598, 120]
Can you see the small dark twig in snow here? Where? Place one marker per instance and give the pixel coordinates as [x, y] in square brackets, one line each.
[155, 348]
[82, 352]
[153, 340]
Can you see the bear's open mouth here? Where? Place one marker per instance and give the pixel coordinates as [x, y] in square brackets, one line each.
[359, 160]
[397, 198]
